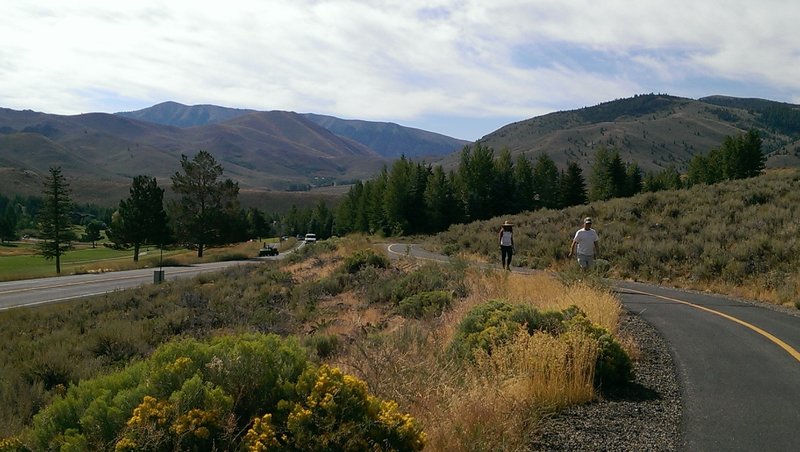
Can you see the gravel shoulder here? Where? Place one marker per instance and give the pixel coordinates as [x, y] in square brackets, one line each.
[646, 415]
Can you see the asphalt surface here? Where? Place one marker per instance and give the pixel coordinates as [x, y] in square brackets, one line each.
[32, 292]
[738, 363]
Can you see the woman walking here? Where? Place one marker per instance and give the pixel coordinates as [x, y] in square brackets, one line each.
[506, 244]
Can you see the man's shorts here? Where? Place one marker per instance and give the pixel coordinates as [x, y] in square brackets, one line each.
[585, 260]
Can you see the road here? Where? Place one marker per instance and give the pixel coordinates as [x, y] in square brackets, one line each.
[32, 292]
[738, 363]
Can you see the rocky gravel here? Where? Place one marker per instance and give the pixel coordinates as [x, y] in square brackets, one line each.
[646, 415]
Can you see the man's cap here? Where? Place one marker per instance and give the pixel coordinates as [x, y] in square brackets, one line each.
[508, 223]
[587, 220]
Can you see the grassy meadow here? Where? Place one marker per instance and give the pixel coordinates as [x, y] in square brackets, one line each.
[393, 325]
[18, 260]
[737, 237]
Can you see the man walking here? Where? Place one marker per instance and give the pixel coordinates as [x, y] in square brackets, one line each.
[585, 244]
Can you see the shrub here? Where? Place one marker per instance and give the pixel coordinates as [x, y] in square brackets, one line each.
[364, 258]
[324, 345]
[335, 412]
[614, 366]
[192, 395]
[494, 322]
[425, 304]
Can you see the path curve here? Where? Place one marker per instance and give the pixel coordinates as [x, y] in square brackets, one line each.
[738, 362]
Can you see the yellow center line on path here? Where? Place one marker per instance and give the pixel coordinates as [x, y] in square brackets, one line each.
[789, 349]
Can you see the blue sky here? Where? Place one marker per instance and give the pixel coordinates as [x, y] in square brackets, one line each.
[463, 68]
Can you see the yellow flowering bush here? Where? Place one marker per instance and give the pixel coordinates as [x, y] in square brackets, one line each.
[11, 444]
[337, 413]
[262, 437]
[253, 392]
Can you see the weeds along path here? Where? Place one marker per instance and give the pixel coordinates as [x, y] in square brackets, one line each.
[738, 362]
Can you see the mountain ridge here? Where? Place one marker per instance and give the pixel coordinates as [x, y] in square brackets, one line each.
[654, 130]
[279, 150]
[386, 138]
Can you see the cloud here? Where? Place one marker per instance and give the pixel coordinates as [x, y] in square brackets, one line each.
[386, 60]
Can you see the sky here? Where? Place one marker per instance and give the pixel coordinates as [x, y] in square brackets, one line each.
[462, 68]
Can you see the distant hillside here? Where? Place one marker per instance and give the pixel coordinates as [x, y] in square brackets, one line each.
[179, 115]
[100, 153]
[387, 139]
[654, 130]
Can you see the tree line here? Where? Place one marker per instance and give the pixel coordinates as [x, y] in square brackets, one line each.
[419, 198]
[408, 198]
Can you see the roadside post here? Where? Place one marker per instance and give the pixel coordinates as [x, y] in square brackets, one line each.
[158, 275]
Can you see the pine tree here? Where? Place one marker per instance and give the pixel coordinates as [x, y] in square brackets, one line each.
[55, 226]
[141, 219]
[524, 185]
[573, 186]
[545, 179]
[207, 207]
[503, 187]
[439, 201]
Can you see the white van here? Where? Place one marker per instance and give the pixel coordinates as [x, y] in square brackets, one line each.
[311, 238]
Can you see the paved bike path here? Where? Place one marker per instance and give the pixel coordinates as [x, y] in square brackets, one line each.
[738, 364]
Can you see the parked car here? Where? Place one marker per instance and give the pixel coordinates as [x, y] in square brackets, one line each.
[267, 250]
[311, 238]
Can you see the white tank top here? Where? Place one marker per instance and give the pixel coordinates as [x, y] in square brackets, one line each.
[505, 238]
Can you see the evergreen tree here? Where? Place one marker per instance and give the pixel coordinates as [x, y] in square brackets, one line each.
[142, 219]
[398, 200]
[503, 188]
[440, 201]
[92, 232]
[634, 181]
[8, 219]
[374, 204]
[206, 205]
[608, 178]
[752, 154]
[524, 185]
[742, 156]
[55, 226]
[476, 181]
[321, 221]
[573, 186]
[545, 179]
[257, 224]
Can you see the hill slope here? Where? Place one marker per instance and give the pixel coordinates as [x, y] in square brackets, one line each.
[100, 153]
[387, 139]
[179, 115]
[655, 131]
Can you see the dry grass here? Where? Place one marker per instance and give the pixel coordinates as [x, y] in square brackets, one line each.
[495, 403]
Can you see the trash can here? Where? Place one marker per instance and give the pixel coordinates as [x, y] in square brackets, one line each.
[158, 276]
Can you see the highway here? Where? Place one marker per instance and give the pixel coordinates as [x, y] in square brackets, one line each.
[33, 292]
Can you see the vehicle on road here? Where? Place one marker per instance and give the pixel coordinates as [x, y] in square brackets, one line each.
[267, 250]
[310, 238]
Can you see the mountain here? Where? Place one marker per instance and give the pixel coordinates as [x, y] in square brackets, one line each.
[653, 130]
[387, 139]
[100, 153]
[276, 150]
[390, 139]
[179, 115]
